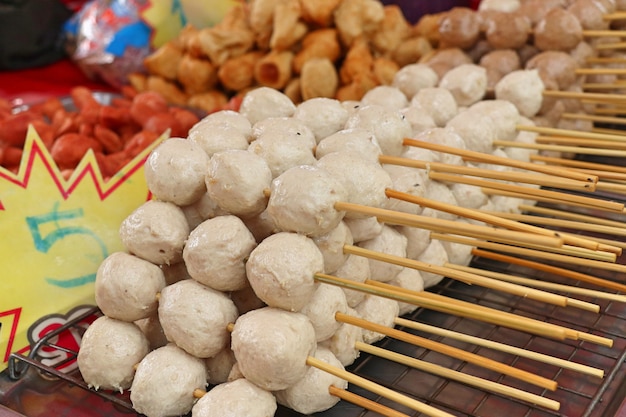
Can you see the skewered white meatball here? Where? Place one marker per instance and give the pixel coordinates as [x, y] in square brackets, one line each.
[175, 170]
[522, 88]
[236, 181]
[468, 196]
[438, 102]
[126, 287]
[221, 131]
[467, 83]
[419, 119]
[264, 102]
[324, 116]
[310, 394]
[289, 126]
[447, 137]
[235, 399]
[418, 240]
[458, 253]
[355, 268]
[477, 132]
[377, 310]
[165, 381]
[303, 200]
[412, 78]
[281, 270]
[109, 351]
[440, 192]
[410, 181]
[216, 251]
[321, 308]
[364, 181]
[391, 242]
[203, 209]
[331, 245]
[359, 141]
[152, 329]
[363, 228]
[195, 317]
[343, 343]
[434, 254]
[388, 126]
[156, 231]
[219, 366]
[387, 96]
[264, 362]
[408, 279]
[502, 113]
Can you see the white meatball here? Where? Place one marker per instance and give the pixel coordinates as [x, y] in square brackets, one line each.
[322, 307]
[237, 398]
[219, 366]
[467, 83]
[216, 252]
[357, 269]
[377, 310]
[419, 119]
[359, 141]
[331, 245]
[410, 181]
[343, 342]
[221, 131]
[523, 88]
[458, 253]
[412, 78]
[324, 116]
[363, 228]
[155, 231]
[408, 279]
[499, 5]
[310, 209]
[203, 209]
[389, 126]
[434, 254]
[477, 131]
[447, 137]
[152, 329]
[387, 96]
[391, 242]
[503, 114]
[523, 136]
[126, 287]
[418, 240]
[264, 362]
[282, 269]
[468, 196]
[165, 381]
[109, 351]
[437, 102]
[264, 102]
[175, 170]
[236, 181]
[195, 317]
[364, 181]
[310, 394]
[506, 204]
[439, 191]
[286, 126]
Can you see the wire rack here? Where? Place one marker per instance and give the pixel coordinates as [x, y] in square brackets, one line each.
[30, 383]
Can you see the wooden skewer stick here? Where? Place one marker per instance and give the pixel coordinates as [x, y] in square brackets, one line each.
[604, 33]
[563, 272]
[524, 353]
[600, 71]
[605, 60]
[449, 351]
[425, 222]
[572, 216]
[603, 86]
[599, 97]
[448, 305]
[594, 118]
[611, 110]
[498, 160]
[582, 150]
[618, 15]
[490, 219]
[540, 254]
[199, 393]
[528, 192]
[612, 45]
[470, 380]
[603, 170]
[377, 389]
[583, 142]
[366, 403]
[543, 284]
[528, 178]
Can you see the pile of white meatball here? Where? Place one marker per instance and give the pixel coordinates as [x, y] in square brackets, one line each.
[217, 291]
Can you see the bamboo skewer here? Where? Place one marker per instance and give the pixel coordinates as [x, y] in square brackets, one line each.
[490, 219]
[594, 118]
[528, 192]
[366, 403]
[581, 142]
[604, 33]
[605, 60]
[493, 159]
[543, 284]
[611, 110]
[597, 97]
[578, 276]
[571, 133]
[377, 389]
[573, 216]
[449, 351]
[600, 71]
[470, 380]
[603, 171]
[524, 353]
[583, 150]
[540, 254]
[618, 15]
[612, 45]
[529, 178]
[603, 86]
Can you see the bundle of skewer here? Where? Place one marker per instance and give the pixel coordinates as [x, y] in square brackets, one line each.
[264, 235]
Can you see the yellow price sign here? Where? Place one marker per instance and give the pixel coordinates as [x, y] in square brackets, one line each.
[55, 233]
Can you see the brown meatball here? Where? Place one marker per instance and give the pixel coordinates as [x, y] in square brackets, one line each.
[445, 59]
[535, 10]
[556, 69]
[559, 30]
[506, 30]
[460, 27]
[498, 63]
[590, 14]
